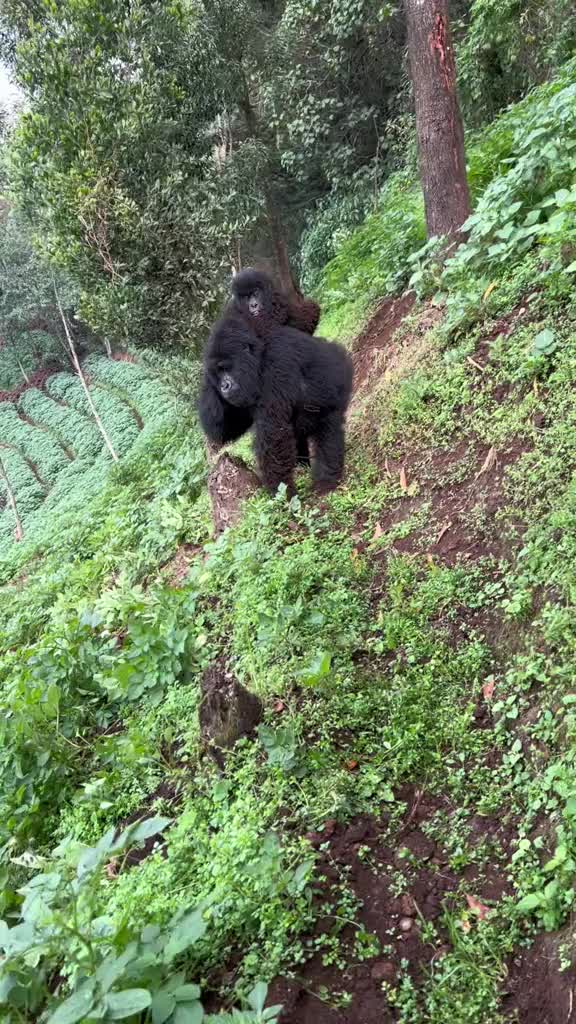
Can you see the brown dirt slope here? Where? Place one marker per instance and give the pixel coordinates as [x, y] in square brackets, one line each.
[462, 490]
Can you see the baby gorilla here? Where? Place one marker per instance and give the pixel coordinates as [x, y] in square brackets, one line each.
[290, 387]
[254, 295]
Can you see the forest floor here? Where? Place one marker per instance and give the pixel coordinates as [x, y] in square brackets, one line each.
[429, 880]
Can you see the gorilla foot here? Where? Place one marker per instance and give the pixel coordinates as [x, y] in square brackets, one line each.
[325, 486]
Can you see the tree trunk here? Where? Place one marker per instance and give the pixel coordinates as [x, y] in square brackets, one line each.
[275, 225]
[278, 236]
[438, 119]
[18, 531]
[78, 369]
[230, 483]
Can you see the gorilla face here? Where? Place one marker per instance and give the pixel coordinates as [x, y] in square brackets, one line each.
[234, 367]
[256, 302]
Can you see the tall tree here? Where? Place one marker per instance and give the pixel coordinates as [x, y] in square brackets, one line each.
[438, 120]
[112, 160]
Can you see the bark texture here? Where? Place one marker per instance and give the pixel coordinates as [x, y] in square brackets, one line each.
[438, 119]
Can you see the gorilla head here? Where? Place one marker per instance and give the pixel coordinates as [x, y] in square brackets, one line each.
[233, 364]
[255, 296]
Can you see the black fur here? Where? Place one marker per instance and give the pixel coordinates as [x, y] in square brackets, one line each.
[255, 296]
[291, 387]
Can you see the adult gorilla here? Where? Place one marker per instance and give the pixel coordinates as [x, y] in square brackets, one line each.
[291, 387]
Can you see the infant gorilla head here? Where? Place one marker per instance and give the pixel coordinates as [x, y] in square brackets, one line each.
[254, 295]
[290, 387]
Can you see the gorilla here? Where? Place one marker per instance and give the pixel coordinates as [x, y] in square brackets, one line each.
[254, 295]
[292, 388]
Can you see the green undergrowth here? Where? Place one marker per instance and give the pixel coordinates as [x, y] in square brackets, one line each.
[139, 879]
[521, 175]
[370, 664]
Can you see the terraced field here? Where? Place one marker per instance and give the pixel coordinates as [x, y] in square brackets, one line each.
[53, 452]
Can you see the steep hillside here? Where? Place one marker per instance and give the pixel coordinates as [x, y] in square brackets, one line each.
[395, 838]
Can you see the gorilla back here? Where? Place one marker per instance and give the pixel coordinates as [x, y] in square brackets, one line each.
[292, 388]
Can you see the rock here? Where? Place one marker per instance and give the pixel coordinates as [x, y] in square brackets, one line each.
[384, 971]
[227, 710]
[407, 906]
[405, 924]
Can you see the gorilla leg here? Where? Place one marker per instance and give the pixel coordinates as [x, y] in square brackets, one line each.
[276, 451]
[328, 465]
[302, 450]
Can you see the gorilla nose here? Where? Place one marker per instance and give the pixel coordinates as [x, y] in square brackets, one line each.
[226, 384]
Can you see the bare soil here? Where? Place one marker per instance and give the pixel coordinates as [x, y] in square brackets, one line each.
[374, 865]
[536, 991]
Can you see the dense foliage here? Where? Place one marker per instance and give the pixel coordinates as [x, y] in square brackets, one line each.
[411, 637]
[165, 143]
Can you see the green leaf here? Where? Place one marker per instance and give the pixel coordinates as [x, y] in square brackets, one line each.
[530, 902]
[557, 222]
[544, 343]
[560, 856]
[257, 997]
[186, 932]
[140, 831]
[299, 879]
[272, 1012]
[127, 1003]
[570, 808]
[7, 983]
[150, 933]
[316, 669]
[187, 993]
[188, 1013]
[113, 967]
[76, 1007]
[163, 1004]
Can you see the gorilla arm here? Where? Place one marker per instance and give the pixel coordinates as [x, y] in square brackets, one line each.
[221, 422]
